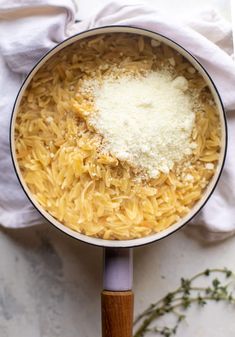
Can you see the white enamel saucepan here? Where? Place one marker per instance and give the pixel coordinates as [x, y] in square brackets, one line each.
[117, 297]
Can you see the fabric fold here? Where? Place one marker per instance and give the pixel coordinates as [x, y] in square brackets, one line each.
[30, 28]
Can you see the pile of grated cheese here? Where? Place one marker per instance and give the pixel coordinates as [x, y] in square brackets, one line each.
[146, 121]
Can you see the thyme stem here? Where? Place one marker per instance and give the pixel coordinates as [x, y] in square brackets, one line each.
[182, 298]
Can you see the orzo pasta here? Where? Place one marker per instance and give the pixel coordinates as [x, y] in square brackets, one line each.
[61, 155]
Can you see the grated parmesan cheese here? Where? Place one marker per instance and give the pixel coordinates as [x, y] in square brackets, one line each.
[209, 166]
[146, 120]
[49, 119]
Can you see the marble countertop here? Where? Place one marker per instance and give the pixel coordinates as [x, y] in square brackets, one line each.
[50, 283]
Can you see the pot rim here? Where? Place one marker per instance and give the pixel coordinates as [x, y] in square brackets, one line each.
[212, 184]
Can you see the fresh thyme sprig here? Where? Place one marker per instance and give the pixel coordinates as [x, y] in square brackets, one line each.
[177, 302]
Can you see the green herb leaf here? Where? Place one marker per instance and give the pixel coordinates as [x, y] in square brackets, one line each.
[178, 301]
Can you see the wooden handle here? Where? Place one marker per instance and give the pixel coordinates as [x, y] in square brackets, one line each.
[117, 313]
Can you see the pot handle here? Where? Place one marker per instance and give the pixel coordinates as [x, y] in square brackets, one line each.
[117, 313]
[117, 299]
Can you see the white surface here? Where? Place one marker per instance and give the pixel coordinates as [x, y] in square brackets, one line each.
[50, 283]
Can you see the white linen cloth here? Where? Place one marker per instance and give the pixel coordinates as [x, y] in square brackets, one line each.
[29, 28]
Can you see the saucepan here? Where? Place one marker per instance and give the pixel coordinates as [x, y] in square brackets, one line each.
[117, 297]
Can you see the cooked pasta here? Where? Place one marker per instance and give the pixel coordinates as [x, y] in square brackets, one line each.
[59, 152]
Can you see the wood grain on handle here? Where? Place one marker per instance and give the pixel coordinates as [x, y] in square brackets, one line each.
[117, 313]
